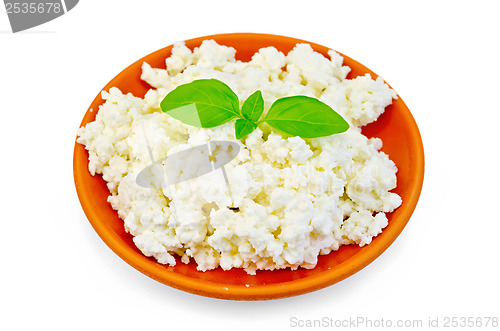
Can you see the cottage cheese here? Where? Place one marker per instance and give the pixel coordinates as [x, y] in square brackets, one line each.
[298, 198]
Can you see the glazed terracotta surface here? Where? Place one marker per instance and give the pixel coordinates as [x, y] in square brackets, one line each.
[401, 141]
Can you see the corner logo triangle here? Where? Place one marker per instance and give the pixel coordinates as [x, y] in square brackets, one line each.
[25, 14]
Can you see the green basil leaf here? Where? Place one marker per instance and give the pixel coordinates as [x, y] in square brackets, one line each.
[243, 127]
[305, 117]
[253, 107]
[202, 103]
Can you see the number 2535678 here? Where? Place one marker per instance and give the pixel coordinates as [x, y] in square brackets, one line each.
[33, 8]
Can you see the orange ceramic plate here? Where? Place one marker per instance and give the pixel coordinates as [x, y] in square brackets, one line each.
[396, 127]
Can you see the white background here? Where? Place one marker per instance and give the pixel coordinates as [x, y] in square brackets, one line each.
[442, 57]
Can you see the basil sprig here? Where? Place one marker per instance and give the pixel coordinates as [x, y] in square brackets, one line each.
[207, 103]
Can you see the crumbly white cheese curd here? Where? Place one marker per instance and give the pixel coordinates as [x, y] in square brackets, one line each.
[297, 198]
